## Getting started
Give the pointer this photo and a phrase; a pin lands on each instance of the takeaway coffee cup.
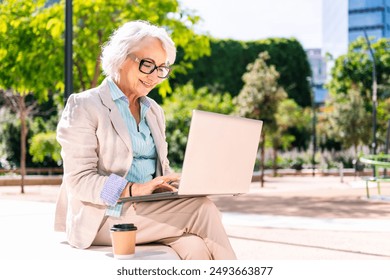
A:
(123, 240)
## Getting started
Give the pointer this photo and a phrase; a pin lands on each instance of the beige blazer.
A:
(95, 143)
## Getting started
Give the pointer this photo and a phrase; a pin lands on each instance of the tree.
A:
(95, 20)
(355, 68)
(383, 114)
(223, 69)
(353, 72)
(25, 43)
(349, 122)
(31, 44)
(30, 48)
(260, 97)
(178, 111)
(288, 114)
(44, 145)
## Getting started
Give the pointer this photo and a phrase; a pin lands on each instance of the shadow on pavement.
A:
(304, 206)
(309, 246)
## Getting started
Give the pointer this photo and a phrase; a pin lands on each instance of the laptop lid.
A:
(219, 158)
(220, 154)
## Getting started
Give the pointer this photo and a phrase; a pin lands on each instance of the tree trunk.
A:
(262, 152)
(23, 136)
(356, 151)
(96, 73)
(274, 161)
(97, 63)
(80, 74)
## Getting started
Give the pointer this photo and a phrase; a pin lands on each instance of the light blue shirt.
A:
(143, 166)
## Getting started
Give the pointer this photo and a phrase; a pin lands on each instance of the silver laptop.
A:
(219, 158)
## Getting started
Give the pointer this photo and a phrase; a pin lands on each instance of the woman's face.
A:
(131, 80)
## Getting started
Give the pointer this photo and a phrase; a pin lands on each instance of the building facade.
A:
(370, 15)
(334, 27)
(319, 75)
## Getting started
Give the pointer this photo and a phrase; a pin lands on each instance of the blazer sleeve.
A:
(76, 133)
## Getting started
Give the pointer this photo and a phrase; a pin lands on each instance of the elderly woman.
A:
(113, 145)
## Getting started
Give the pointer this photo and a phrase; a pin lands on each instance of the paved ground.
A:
(306, 218)
(291, 218)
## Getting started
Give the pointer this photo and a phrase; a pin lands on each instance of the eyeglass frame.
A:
(141, 63)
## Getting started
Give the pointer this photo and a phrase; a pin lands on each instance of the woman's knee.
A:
(208, 206)
(190, 247)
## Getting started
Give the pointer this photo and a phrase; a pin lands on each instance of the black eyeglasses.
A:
(147, 66)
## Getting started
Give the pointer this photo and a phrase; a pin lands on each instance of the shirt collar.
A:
(116, 93)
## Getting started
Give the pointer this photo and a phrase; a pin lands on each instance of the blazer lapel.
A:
(158, 138)
(115, 116)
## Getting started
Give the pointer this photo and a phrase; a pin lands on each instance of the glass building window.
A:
(367, 19)
(364, 4)
(353, 35)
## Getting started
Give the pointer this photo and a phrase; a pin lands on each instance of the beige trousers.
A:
(191, 226)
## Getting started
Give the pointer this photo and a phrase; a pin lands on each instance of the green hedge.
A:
(222, 71)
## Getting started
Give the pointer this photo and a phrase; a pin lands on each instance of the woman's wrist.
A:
(127, 191)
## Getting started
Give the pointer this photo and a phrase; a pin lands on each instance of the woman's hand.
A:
(158, 182)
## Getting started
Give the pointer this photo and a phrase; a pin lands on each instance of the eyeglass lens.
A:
(147, 67)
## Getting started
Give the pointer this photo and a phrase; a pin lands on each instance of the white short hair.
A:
(126, 38)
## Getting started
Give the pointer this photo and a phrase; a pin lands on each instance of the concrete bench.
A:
(27, 233)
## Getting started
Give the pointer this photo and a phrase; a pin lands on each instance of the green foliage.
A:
(44, 146)
(30, 47)
(10, 141)
(10, 131)
(354, 69)
(353, 72)
(260, 97)
(383, 118)
(44, 124)
(92, 30)
(223, 69)
(32, 50)
(178, 111)
(349, 122)
(289, 114)
(297, 163)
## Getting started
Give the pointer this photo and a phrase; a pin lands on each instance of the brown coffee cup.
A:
(123, 240)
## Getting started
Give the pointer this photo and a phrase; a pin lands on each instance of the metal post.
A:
(341, 172)
(313, 106)
(374, 95)
(68, 50)
(387, 145)
(387, 138)
(313, 160)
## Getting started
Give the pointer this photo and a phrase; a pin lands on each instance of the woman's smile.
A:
(146, 84)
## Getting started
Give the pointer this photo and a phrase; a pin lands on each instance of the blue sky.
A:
(258, 19)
